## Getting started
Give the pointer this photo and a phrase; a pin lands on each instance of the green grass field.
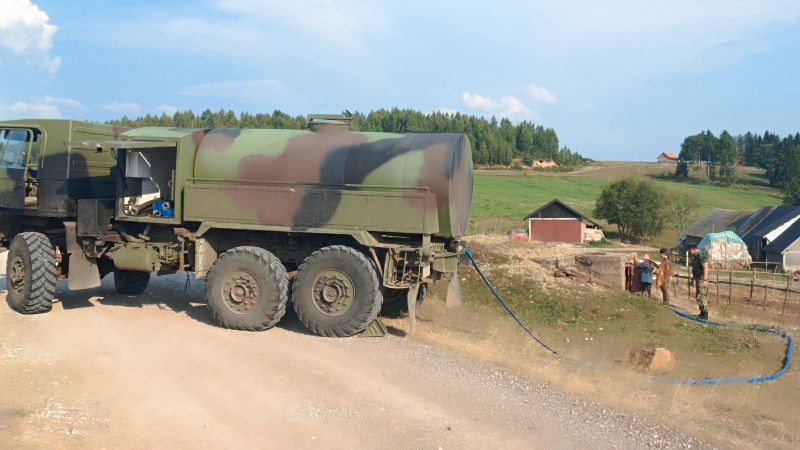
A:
(501, 202)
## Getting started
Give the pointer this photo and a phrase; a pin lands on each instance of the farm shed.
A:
(557, 222)
(775, 221)
(717, 220)
(785, 249)
(667, 157)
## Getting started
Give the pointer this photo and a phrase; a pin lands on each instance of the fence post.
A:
(730, 285)
(688, 279)
(786, 295)
(717, 282)
(764, 306)
(752, 287)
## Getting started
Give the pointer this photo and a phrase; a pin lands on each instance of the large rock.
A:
(658, 360)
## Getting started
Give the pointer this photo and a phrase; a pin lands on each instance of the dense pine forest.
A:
(493, 142)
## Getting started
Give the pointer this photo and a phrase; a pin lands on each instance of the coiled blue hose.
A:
(787, 362)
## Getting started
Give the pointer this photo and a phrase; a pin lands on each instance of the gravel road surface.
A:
(107, 371)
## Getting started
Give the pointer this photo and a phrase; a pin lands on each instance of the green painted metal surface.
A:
(329, 178)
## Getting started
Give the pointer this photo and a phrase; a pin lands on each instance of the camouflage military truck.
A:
(351, 218)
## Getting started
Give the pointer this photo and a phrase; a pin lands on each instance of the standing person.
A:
(700, 275)
(664, 275)
(647, 274)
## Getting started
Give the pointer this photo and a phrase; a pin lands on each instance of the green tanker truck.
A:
(335, 221)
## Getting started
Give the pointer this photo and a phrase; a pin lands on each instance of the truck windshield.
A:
(14, 145)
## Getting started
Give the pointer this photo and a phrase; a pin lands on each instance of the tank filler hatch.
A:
(324, 122)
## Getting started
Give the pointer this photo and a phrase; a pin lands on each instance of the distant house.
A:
(667, 157)
(557, 222)
(544, 163)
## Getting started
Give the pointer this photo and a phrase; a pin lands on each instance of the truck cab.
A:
(41, 175)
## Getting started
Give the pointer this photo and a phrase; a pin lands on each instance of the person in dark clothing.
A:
(647, 267)
(700, 275)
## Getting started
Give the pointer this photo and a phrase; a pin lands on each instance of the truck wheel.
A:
(129, 282)
(247, 289)
(31, 273)
(336, 292)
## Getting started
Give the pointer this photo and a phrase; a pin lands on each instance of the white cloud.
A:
(48, 107)
(248, 90)
(540, 94)
(477, 101)
(25, 29)
(166, 109)
(122, 107)
(509, 106)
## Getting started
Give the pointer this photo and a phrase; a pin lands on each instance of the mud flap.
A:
(454, 292)
(412, 307)
(375, 329)
(83, 271)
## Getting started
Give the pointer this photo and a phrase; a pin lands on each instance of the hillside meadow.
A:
(500, 202)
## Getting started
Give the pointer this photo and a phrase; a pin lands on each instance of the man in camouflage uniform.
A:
(700, 275)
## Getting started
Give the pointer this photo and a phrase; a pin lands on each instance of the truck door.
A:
(15, 150)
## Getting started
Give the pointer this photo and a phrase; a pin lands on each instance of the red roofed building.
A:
(667, 157)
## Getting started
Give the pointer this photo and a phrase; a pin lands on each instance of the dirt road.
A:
(153, 372)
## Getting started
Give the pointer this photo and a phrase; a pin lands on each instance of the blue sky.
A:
(617, 79)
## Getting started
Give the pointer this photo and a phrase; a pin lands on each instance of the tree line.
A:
(780, 158)
(719, 155)
(493, 141)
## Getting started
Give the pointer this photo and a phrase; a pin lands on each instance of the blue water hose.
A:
(787, 362)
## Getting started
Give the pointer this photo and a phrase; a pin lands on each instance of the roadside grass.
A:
(605, 324)
(600, 326)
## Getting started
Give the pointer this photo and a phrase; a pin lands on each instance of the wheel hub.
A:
(241, 292)
(334, 292)
(17, 274)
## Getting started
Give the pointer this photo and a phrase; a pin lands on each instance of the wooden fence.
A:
(758, 286)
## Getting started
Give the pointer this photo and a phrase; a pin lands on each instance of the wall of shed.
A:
(555, 230)
(791, 261)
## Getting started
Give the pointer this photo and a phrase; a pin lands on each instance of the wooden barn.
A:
(557, 222)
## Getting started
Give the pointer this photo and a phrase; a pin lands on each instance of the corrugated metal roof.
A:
(778, 216)
(785, 240)
(754, 220)
(718, 220)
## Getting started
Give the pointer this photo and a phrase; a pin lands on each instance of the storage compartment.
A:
(148, 178)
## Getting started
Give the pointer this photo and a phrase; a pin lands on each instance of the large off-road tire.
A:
(336, 292)
(129, 282)
(31, 273)
(247, 289)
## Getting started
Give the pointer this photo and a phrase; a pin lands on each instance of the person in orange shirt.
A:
(664, 274)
